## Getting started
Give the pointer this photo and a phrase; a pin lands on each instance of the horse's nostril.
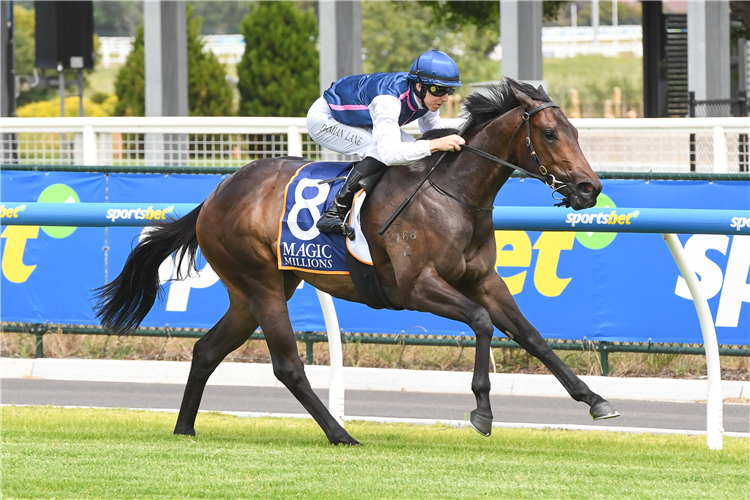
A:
(586, 188)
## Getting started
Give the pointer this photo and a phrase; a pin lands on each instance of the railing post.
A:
(39, 330)
(604, 356)
(336, 391)
(309, 351)
(714, 401)
(39, 346)
(691, 104)
(89, 145)
(720, 151)
(294, 141)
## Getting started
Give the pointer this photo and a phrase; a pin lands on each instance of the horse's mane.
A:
(497, 101)
(437, 133)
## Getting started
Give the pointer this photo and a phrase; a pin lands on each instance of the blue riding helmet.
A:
(435, 67)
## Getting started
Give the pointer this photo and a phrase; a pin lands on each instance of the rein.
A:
(544, 175)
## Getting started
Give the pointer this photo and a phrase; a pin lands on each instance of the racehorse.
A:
(448, 270)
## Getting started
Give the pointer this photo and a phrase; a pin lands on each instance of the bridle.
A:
(543, 175)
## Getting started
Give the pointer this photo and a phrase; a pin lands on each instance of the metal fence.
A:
(719, 107)
(613, 145)
(716, 108)
(310, 338)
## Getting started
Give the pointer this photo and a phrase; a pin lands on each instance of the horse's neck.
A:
(478, 179)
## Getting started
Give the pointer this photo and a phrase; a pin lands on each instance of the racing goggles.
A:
(440, 91)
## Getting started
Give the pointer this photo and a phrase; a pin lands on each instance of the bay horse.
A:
(448, 270)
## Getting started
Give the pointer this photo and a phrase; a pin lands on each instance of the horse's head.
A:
(546, 142)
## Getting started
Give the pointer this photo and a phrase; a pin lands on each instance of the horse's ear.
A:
(525, 100)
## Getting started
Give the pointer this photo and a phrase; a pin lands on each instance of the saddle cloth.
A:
(301, 246)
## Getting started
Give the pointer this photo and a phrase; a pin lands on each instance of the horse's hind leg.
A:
(289, 369)
(268, 304)
(494, 295)
(227, 335)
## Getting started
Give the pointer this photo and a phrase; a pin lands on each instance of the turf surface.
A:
(50, 452)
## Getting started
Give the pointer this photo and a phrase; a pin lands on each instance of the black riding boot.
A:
(332, 219)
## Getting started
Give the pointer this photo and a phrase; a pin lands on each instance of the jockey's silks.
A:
(350, 97)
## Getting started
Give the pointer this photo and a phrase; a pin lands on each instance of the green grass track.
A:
(50, 452)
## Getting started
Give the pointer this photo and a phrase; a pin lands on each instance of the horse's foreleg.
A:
(495, 296)
(430, 293)
(227, 335)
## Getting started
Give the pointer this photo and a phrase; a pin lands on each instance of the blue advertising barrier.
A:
(619, 220)
(585, 282)
(90, 214)
(623, 220)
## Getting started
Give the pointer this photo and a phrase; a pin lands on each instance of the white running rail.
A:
(720, 145)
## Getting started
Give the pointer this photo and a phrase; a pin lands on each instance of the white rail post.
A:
(89, 145)
(294, 141)
(720, 151)
(336, 391)
(714, 401)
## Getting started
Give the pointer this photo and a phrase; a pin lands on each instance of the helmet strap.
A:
(423, 93)
(420, 94)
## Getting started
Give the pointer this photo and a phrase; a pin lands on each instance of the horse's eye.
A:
(550, 135)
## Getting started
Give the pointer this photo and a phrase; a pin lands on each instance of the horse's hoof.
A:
(184, 432)
(603, 411)
(349, 441)
(482, 425)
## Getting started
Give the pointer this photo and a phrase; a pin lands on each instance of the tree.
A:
(208, 91)
(130, 84)
(394, 34)
(456, 14)
(485, 13)
(742, 11)
(209, 94)
(279, 71)
(120, 18)
(23, 30)
(221, 18)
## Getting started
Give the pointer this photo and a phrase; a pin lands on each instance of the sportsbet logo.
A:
(601, 218)
(139, 213)
(597, 241)
(8, 213)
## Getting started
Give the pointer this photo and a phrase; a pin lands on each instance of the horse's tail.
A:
(123, 303)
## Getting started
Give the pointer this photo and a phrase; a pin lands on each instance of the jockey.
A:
(362, 115)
